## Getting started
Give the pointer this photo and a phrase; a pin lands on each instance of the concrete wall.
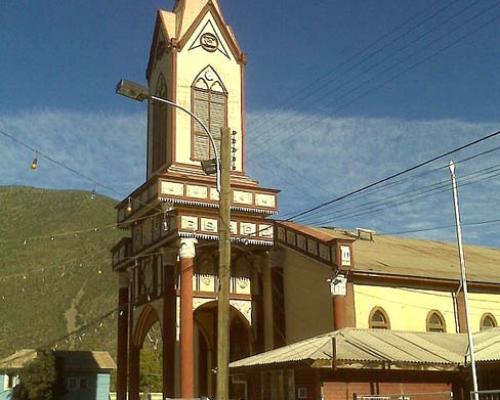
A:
(5, 394)
(406, 308)
(308, 301)
(481, 303)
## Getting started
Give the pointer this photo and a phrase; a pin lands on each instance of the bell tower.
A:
(196, 62)
(167, 263)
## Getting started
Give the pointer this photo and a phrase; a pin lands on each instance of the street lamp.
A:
(135, 91)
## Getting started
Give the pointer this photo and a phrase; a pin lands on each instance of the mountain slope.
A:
(55, 268)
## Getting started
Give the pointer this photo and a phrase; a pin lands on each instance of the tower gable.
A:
(211, 24)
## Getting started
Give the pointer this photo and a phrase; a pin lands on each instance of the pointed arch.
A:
(488, 321)
(160, 123)
(435, 322)
(379, 319)
(209, 103)
(146, 320)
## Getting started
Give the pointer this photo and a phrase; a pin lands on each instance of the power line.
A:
(438, 187)
(405, 179)
(395, 175)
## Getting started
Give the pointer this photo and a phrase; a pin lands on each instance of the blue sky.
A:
(339, 94)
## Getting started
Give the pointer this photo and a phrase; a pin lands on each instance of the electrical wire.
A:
(395, 175)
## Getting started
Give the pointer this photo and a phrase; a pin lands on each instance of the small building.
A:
(86, 375)
(371, 363)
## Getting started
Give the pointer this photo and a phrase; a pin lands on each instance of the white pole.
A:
(464, 278)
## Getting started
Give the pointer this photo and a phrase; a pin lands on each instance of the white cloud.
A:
(310, 161)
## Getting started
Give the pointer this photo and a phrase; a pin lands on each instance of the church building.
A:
(316, 313)
(167, 266)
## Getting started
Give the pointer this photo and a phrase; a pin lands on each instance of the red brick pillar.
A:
(134, 369)
(461, 316)
(187, 253)
(122, 339)
(169, 324)
(344, 308)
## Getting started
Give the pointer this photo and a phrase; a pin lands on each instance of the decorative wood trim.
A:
(209, 7)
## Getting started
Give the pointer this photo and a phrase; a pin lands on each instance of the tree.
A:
(39, 380)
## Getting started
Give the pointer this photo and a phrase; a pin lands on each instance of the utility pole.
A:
(224, 267)
(464, 278)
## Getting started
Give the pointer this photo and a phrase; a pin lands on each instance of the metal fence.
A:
(485, 395)
(409, 396)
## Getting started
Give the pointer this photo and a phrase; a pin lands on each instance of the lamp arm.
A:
(210, 137)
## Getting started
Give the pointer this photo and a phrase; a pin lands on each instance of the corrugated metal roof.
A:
(422, 258)
(487, 345)
(72, 360)
(376, 346)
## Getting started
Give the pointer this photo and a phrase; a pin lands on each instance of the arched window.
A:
(210, 105)
(379, 319)
(488, 321)
(435, 322)
(160, 120)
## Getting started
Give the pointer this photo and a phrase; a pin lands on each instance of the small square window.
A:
(72, 383)
(302, 393)
(345, 255)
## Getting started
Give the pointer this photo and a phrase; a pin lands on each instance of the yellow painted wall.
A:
(308, 301)
(481, 303)
(163, 66)
(406, 308)
(189, 64)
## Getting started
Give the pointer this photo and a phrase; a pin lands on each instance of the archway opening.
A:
(206, 344)
(151, 364)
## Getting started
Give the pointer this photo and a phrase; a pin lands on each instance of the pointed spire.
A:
(188, 10)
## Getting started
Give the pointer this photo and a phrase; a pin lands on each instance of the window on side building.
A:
(379, 319)
(488, 321)
(435, 322)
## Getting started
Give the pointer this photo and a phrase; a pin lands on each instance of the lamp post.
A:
(221, 168)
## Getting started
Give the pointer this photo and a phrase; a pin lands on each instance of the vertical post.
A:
(169, 325)
(463, 277)
(187, 254)
(122, 340)
(224, 268)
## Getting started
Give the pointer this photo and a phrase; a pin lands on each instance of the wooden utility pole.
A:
(224, 267)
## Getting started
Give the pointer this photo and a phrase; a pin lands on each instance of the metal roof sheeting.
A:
(72, 360)
(378, 347)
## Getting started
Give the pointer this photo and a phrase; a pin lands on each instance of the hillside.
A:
(53, 276)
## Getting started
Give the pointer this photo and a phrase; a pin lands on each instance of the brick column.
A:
(169, 322)
(344, 315)
(187, 253)
(461, 316)
(122, 339)
(134, 369)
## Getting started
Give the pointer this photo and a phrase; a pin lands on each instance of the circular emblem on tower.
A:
(209, 42)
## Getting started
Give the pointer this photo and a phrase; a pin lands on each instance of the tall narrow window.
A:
(435, 322)
(379, 319)
(488, 321)
(210, 105)
(160, 116)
